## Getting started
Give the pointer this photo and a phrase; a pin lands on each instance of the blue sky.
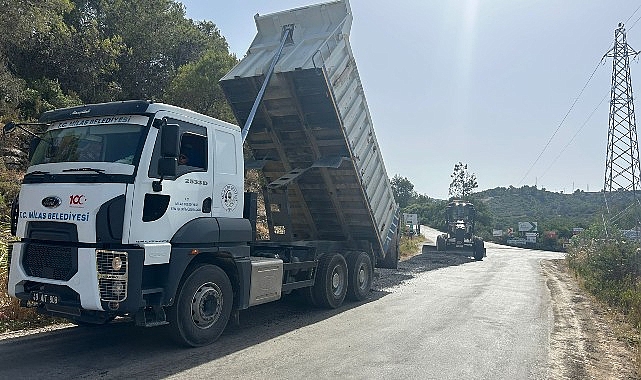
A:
(485, 82)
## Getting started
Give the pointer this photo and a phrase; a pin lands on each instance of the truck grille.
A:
(50, 261)
(112, 275)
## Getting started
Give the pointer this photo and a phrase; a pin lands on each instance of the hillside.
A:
(554, 211)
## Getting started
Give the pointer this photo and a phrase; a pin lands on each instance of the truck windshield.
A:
(96, 143)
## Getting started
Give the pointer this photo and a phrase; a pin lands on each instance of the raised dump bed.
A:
(313, 135)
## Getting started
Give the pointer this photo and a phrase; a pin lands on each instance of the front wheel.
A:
(330, 286)
(202, 307)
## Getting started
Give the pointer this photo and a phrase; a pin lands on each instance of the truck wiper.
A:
(99, 171)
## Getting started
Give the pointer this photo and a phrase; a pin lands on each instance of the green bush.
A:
(609, 267)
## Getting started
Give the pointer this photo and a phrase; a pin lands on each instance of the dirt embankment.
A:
(587, 341)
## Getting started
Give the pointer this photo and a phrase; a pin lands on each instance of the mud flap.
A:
(391, 259)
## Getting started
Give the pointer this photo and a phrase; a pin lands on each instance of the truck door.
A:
(157, 215)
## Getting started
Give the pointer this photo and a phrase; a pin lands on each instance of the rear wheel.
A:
(202, 307)
(359, 268)
(479, 249)
(440, 243)
(330, 287)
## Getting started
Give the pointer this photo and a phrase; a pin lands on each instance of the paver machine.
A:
(459, 226)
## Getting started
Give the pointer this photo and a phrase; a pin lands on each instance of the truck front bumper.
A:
(68, 281)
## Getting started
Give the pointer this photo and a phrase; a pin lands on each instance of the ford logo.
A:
(51, 202)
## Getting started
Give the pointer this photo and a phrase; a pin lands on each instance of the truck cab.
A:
(112, 189)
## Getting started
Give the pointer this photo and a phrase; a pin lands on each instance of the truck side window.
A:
(193, 150)
(193, 153)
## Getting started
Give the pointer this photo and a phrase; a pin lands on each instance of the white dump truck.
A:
(137, 209)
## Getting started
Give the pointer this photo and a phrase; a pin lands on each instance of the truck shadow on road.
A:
(122, 350)
(128, 351)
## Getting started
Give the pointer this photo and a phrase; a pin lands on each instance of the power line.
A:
(576, 134)
(561, 123)
(635, 11)
(570, 110)
(630, 28)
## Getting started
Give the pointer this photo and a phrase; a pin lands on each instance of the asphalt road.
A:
(439, 316)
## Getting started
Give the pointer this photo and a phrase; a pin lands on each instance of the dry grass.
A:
(411, 246)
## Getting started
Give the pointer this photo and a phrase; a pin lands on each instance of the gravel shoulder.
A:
(587, 341)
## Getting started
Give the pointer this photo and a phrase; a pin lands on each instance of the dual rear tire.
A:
(330, 287)
(337, 279)
(361, 274)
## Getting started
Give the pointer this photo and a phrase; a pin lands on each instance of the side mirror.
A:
(169, 151)
(169, 143)
(167, 166)
(9, 127)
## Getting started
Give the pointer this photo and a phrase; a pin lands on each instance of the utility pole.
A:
(622, 168)
(622, 161)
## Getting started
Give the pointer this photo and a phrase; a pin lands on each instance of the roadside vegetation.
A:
(12, 317)
(411, 245)
(609, 266)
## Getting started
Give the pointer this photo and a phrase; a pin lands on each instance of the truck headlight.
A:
(116, 263)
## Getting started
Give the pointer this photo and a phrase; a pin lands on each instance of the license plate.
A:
(44, 297)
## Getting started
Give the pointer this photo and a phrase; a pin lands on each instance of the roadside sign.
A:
(517, 241)
(497, 233)
(528, 226)
(530, 237)
(410, 219)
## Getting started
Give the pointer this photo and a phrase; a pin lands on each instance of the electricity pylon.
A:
(622, 168)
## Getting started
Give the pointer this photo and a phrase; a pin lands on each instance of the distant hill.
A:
(553, 211)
